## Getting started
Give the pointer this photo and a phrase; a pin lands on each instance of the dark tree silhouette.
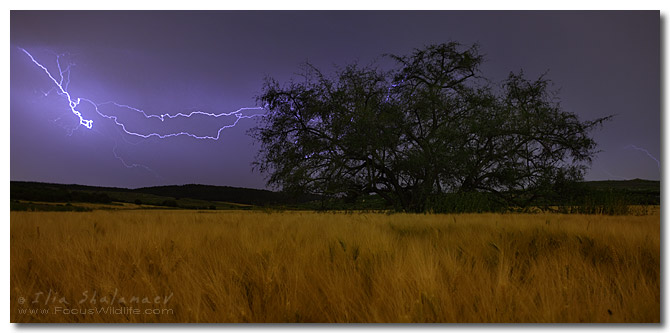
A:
(432, 126)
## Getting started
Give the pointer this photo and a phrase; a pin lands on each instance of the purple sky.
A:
(170, 62)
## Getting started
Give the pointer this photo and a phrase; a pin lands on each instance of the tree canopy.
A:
(433, 125)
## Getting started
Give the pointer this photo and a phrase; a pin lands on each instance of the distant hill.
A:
(185, 196)
(634, 185)
(635, 191)
(224, 193)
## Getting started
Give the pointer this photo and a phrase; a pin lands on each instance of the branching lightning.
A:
(237, 114)
(612, 175)
(73, 103)
(646, 152)
(62, 81)
(132, 165)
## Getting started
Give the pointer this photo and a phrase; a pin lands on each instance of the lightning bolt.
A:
(73, 103)
(237, 114)
(61, 87)
(611, 175)
(646, 152)
(132, 165)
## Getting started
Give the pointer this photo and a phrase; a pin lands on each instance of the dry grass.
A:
(335, 267)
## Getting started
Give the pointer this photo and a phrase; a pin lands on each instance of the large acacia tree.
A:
(433, 125)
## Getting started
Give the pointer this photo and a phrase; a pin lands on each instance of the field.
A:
(252, 266)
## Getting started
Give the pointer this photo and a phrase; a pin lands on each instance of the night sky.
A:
(169, 62)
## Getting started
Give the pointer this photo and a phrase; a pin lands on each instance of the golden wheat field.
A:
(248, 266)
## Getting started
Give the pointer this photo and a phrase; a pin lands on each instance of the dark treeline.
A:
(227, 194)
(56, 193)
(167, 196)
(599, 197)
